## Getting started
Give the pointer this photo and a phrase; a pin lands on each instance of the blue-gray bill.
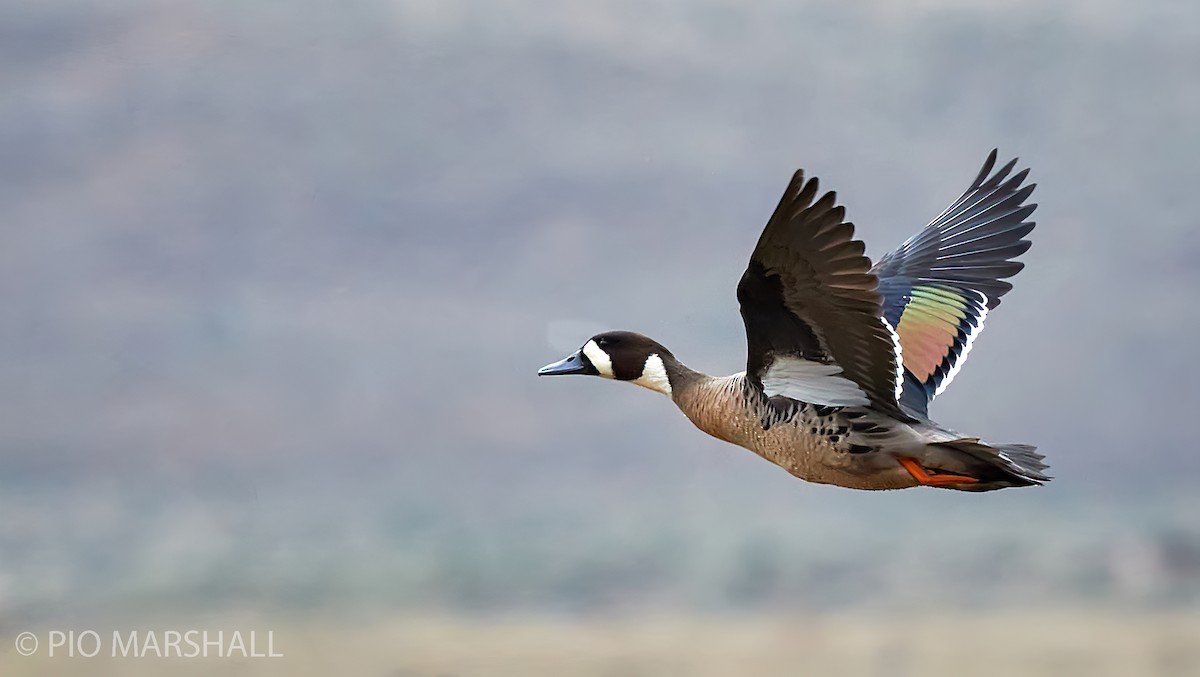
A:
(572, 364)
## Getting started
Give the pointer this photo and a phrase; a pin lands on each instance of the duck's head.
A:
(620, 355)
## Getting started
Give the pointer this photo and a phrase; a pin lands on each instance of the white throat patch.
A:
(654, 376)
(599, 359)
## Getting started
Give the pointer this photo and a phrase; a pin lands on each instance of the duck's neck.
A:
(669, 376)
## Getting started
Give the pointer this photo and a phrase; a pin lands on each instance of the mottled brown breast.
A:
(807, 444)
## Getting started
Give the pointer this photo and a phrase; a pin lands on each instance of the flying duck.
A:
(844, 357)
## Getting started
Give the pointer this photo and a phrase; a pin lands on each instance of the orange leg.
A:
(939, 480)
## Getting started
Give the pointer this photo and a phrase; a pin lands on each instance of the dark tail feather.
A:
(997, 467)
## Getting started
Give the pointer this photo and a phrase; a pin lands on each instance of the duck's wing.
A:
(815, 330)
(939, 285)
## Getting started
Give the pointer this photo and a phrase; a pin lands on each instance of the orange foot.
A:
(939, 480)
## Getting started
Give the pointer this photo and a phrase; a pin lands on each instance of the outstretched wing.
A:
(939, 285)
(815, 330)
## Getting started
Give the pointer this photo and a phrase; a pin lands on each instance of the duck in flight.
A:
(844, 357)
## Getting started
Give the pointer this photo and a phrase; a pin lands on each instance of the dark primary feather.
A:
(809, 292)
(955, 269)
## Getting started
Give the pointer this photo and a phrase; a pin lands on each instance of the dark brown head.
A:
(620, 355)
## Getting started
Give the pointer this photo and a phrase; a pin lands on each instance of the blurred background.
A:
(276, 277)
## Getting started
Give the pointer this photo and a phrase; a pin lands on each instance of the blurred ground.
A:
(1038, 645)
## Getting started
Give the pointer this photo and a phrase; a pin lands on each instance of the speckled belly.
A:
(822, 456)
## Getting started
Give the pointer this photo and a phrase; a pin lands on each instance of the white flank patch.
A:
(812, 382)
(899, 350)
(654, 376)
(599, 359)
(962, 357)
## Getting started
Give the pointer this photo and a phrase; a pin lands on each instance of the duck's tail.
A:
(992, 467)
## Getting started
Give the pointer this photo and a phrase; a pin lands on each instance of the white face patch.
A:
(654, 376)
(599, 359)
